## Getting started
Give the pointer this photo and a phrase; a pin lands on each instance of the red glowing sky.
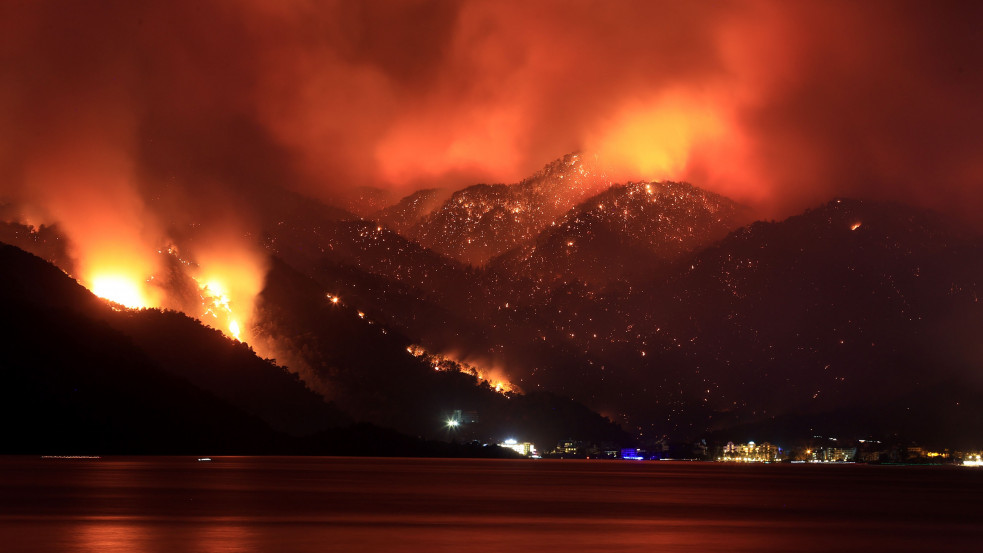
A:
(155, 104)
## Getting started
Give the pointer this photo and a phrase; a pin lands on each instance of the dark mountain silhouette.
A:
(395, 281)
(428, 297)
(626, 232)
(44, 241)
(81, 376)
(856, 316)
(179, 346)
(230, 370)
(208, 378)
(75, 384)
(848, 309)
(651, 319)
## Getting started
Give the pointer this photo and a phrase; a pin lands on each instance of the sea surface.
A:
(322, 504)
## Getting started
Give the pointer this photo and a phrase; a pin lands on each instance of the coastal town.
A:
(816, 449)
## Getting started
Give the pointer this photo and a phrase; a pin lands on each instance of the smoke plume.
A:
(127, 121)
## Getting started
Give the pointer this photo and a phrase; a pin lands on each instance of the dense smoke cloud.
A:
(178, 111)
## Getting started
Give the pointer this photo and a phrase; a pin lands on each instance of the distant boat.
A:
(204, 458)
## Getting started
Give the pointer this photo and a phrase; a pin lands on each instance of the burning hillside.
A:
(482, 221)
(625, 232)
(216, 287)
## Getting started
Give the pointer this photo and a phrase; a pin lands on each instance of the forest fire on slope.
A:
(485, 376)
(214, 293)
(119, 289)
(221, 297)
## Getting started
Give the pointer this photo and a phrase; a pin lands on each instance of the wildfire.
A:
(654, 140)
(119, 289)
(444, 363)
(230, 274)
(132, 292)
(227, 282)
(217, 305)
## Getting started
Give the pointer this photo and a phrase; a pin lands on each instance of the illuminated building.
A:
(834, 455)
(751, 453)
(524, 448)
(914, 452)
(631, 454)
(569, 447)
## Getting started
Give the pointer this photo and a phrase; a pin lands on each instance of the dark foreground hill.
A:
(369, 370)
(72, 383)
(84, 376)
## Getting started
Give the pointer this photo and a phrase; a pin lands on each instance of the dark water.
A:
(403, 505)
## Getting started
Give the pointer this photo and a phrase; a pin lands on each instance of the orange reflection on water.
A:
(345, 505)
(170, 535)
(108, 536)
(225, 537)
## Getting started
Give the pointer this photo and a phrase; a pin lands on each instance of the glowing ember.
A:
(119, 289)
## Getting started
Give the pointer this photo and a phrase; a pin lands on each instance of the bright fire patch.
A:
(654, 140)
(215, 299)
(119, 289)
(444, 363)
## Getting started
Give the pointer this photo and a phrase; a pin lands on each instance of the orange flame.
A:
(119, 289)
(229, 281)
(495, 379)
(217, 305)
(226, 293)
